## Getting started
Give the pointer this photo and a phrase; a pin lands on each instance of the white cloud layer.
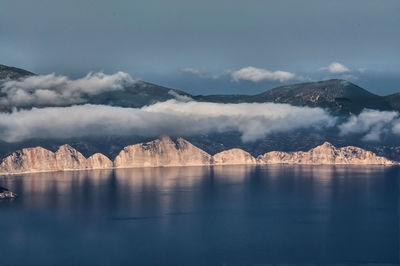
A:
(371, 124)
(59, 90)
(258, 74)
(336, 68)
(174, 118)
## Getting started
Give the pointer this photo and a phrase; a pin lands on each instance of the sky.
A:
(208, 46)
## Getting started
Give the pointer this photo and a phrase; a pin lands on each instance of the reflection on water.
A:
(201, 215)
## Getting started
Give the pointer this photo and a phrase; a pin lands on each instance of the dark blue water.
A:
(239, 215)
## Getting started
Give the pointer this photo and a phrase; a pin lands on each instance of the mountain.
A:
(337, 95)
(233, 156)
(394, 101)
(325, 154)
(7, 72)
(166, 152)
(39, 159)
(162, 152)
(139, 94)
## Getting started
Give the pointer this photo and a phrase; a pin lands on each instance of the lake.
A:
(221, 215)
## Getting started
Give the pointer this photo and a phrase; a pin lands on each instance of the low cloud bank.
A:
(59, 90)
(372, 124)
(185, 117)
(253, 120)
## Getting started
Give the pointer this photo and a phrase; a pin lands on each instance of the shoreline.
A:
(204, 165)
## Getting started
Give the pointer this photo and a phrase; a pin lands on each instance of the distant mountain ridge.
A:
(135, 95)
(394, 101)
(139, 94)
(166, 152)
(7, 72)
(338, 96)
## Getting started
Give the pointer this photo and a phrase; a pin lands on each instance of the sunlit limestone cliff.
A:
(98, 161)
(233, 156)
(166, 152)
(39, 159)
(324, 154)
(29, 160)
(162, 152)
(69, 158)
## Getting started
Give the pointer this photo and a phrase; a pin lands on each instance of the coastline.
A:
(164, 152)
(196, 165)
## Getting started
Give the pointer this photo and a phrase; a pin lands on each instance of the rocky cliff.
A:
(324, 154)
(233, 156)
(29, 160)
(166, 152)
(99, 161)
(39, 159)
(67, 158)
(162, 152)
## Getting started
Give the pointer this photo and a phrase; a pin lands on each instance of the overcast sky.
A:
(208, 46)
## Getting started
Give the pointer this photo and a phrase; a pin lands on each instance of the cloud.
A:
(202, 74)
(185, 117)
(396, 126)
(336, 68)
(258, 74)
(192, 71)
(371, 124)
(59, 90)
(174, 118)
(179, 97)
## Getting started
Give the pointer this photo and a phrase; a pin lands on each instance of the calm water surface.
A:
(239, 215)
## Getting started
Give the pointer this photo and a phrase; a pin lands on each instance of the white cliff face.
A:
(29, 160)
(165, 152)
(233, 156)
(68, 158)
(162, 152)
(98, 161)
(324, 154)
(39, 159)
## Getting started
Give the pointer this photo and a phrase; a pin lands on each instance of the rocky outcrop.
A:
(98, 161)
(233, 156)
(324, 154)
(6, 194)
(162, 152)
(67, 158)
(39, 159)
(166, 152)
(29, 160)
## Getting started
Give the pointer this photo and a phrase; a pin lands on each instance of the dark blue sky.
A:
(210, 40)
